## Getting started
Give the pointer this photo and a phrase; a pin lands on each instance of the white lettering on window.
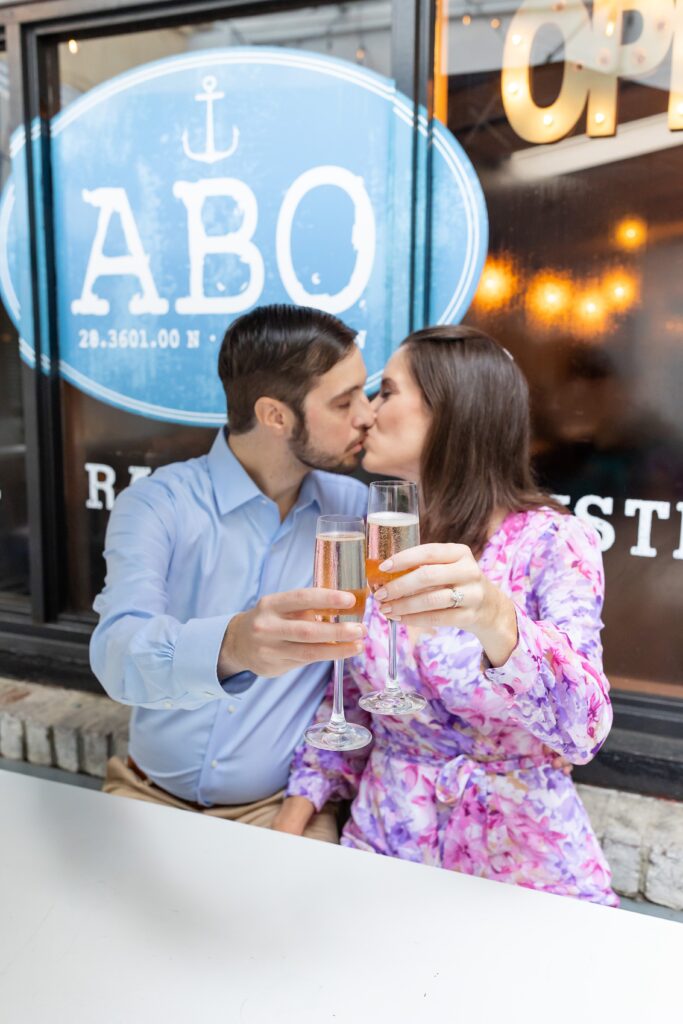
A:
(101, 480)
(645, 510)
(363, 238)
(232, 243)
(135, 263)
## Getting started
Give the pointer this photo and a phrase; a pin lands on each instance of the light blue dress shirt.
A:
(186, 549)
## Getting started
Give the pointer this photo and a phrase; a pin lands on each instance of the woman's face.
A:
(394, 443)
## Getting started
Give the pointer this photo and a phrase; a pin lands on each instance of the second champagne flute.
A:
(340, 565)
(393, 525)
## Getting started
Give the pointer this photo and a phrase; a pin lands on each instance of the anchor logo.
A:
(210, 155)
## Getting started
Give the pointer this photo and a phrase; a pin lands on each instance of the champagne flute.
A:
(393, 525)
(340, 565)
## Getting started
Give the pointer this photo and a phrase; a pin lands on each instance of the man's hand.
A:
(276, 636)
(294, 815)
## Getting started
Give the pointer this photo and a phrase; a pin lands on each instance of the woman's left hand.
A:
(444, 586)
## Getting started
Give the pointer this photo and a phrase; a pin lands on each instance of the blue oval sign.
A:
(192, 189)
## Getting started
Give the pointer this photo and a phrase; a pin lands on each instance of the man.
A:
(205, 627)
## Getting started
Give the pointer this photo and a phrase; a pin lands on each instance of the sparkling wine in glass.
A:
(393, 525)
(340, 565)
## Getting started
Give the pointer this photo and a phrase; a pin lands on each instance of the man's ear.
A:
(274, 415)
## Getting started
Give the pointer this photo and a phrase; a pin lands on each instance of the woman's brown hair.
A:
(476, 457)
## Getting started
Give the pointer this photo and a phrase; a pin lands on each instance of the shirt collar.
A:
(233, 486)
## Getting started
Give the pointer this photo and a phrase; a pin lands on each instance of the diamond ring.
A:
(457, 598)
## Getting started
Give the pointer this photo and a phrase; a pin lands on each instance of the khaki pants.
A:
(123, 781)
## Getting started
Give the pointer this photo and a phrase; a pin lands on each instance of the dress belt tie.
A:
(456, 774)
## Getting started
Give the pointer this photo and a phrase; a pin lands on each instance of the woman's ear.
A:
(274, 415)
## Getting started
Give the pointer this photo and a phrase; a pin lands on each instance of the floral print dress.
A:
(468, 784)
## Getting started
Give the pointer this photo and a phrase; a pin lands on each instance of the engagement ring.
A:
(457, 598)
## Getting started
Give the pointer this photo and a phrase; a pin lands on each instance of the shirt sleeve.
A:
(553, 682)
(141, 655)
(322, 775)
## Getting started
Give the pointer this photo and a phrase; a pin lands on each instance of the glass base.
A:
(405, 702)
(352, 738)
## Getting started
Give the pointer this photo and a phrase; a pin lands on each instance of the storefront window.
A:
(13, 510)
(105, 445)
(568, 116)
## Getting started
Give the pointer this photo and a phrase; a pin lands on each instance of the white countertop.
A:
(113, 910)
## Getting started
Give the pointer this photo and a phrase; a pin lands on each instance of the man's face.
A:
(337, 416)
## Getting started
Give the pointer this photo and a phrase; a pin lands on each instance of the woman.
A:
(501, 632)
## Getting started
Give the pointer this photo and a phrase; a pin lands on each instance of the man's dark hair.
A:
(278, 351)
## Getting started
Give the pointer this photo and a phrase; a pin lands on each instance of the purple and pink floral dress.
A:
(468, 784)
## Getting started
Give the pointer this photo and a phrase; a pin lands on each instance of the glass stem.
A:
(337, 722)
(392, 686)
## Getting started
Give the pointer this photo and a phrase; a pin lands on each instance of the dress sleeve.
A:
(322, 775)
(553, 683)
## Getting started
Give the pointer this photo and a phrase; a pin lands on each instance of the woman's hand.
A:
(294, 815)
(444, 586)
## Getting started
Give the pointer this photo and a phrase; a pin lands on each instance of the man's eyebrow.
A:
(349, 391)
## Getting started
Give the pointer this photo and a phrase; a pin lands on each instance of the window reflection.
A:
(581, 284)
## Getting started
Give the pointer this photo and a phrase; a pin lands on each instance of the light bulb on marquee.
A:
(467, 19)
(599, 118)
(548, 120)
(73, 46)
(516, 39)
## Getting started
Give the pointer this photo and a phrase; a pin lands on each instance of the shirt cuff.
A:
(523, 667)
(195, 659)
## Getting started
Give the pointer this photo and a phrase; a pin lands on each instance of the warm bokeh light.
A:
(498, 283)
(591, 313)
(548, 296)
(467, 19)
(73, 46)
(631, 233)
(621, 289)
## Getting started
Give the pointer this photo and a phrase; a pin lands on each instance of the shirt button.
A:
(232, 709)
(167, 704)
(214, 764)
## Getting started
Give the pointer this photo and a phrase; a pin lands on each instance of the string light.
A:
(599, 118)
(592, 313)
(495, 23)
(516, 39)
(549, 296)
(547, 120)
(498, 283)
(467, 19)
(360, 53)
(631, 233)
(609, 28)
(621, 289)
(73, 46)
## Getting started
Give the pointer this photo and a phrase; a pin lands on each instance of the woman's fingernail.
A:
(359, 631)
(386, 566)
(358, 648)
(386, 609)
(381, 594)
